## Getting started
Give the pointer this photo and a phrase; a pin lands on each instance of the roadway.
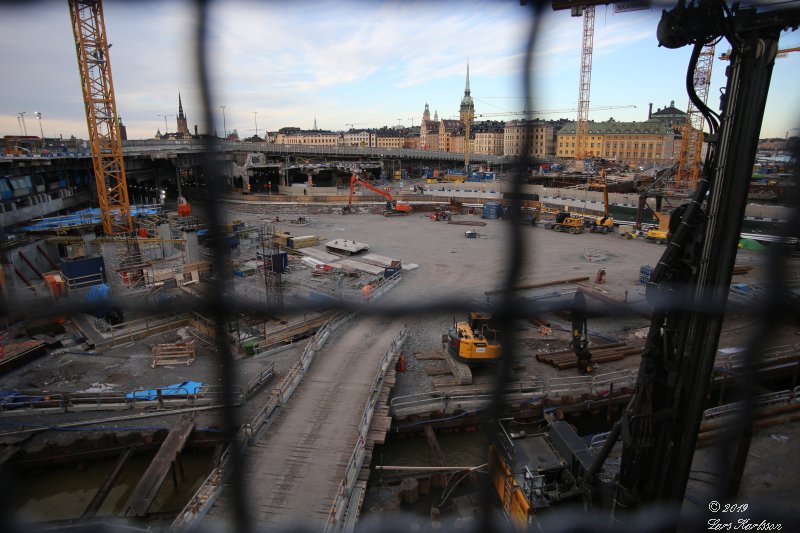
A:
(292, 472)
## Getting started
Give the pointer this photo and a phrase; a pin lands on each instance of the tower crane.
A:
(692, 135)
(582, 126)
(91, 45)
(692, 138)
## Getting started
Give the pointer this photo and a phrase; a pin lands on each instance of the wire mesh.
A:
(221, 302)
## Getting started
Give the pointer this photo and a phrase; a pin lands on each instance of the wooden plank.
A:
(102, 493)
(358, 265)
(147, 489)
(434, 444)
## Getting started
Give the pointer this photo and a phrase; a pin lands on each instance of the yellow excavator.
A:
(475, 341)
(604, 224)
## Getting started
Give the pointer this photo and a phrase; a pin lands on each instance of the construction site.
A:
(339, 353)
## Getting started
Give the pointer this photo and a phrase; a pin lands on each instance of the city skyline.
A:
(360, 63)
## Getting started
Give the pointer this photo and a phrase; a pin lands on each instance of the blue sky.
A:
(369, 63)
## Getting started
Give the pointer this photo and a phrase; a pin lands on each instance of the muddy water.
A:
(62, 492)
(459, 449)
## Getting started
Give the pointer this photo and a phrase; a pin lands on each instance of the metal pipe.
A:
(27, 261)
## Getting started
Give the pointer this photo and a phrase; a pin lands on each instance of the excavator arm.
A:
(355, 179)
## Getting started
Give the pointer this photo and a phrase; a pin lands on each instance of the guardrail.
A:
(535, 390)
(340, 504)
(766, 400)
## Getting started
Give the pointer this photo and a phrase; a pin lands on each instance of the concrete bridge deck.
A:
(292, 473)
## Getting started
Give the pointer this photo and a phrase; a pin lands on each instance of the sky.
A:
(368, 63)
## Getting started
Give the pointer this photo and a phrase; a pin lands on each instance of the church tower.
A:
(183, 129)
(467, 110)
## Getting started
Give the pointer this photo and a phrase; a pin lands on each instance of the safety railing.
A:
(536, 390)
(341, 502)
(759, 402)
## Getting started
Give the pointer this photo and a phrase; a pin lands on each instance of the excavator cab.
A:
(476, 341)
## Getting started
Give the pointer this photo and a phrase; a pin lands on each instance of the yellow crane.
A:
(91, 46)
(692, 131)
(582, 126)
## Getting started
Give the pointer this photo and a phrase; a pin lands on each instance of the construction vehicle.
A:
(566, 222)
(439, 213)
(604, 224)
(475, 341)
(393, 207)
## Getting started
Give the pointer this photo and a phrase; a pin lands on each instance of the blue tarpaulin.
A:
(10, 397)
(187, 387)
(85, 216)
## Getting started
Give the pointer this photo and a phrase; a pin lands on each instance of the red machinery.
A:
(393, 207)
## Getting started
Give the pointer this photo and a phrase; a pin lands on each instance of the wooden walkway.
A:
(293, 472)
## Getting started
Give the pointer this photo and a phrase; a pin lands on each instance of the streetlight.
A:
(39, 116)
(255, 118)
(224, 126)
(22, 122)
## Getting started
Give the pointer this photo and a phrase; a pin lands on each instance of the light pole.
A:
(24, 129)
(255, 118)
(41, 130)
(224, 126)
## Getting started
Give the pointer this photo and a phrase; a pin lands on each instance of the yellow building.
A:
(631, 143)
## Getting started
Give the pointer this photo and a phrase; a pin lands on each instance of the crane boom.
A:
(692, 137)
(91, 45)
(582, 126)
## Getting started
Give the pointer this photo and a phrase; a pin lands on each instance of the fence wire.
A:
(220, 303)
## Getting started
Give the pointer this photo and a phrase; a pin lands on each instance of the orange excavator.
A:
(393, 207)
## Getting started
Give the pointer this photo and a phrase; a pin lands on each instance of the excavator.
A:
(475, 341)
(393, 207)
(604, 224)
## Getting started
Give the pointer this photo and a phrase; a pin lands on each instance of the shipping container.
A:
(492, 210)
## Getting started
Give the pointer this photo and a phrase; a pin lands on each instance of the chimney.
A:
(650, 112)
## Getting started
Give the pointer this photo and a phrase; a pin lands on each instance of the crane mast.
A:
(692, 137)
(582, 126)
(91, 45)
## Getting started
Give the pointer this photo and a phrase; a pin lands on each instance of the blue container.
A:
(644, 274)
(492, 210)
(388, 272)
(85, 266)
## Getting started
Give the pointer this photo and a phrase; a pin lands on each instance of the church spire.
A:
(315, 122)
(466, 89)
(180, 106)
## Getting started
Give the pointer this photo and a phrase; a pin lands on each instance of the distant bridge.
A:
(198, 146)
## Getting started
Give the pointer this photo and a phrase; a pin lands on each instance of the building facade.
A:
(307, 137)
(540, 136)
(489, 137)
(627, 142)
(360, 138)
